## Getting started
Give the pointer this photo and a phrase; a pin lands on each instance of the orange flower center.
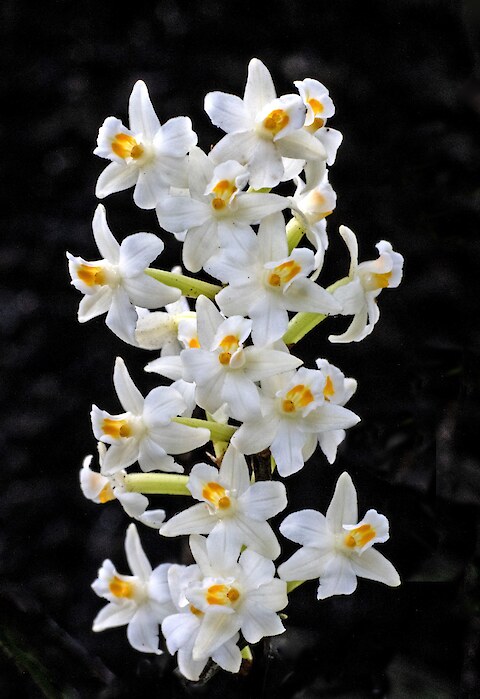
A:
(358, 537)
(126, 146)
(283, 273)
(229, 346)
(276, 121)
(297, 398)
(121, 588)
(223, 192)
(329, 390)
(216, 495)
(222, 594)
(116, 428)
(91, 275)
(106, 494)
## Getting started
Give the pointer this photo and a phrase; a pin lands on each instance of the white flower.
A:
(338, 390)
(181, 629)
(319, 107)
(233, 594)
(145, 431)
(150, 156)
(265, 282)
(223, 369)
(337, 548)
(367, 279)
(231, 509)
(141, 600)
(117, 284)
(261, 128)
(215, 208)
(161, 329)
(101, 489)
(294, 413)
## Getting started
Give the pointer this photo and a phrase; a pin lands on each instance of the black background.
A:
(405, 79)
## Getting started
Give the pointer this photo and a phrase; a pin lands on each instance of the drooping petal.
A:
(95, 304)
(194, 520)
(241, 396)
(120, 456)
(308, 528)
(148, 189)
(200, 244)
(190, 668)
(152, 457)
(228, 656)
(179, 439)
(115, 178)
(106, 243)
(256, 435)
(265, 165)
(216, 628)
(113, 615)
(136, 558)
(146, 292)
(122, 316)
(178, 630)
(287, 448)
(270, 320)
(301, 144)
(257, 535)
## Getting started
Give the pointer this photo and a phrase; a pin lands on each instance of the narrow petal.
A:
(136, 558)
(113, 615)
(308, 528)
(234, 473)
(153, 457)
(265, 362)
(343, 507)
(142, 631)
(305, 564)
(194, 520)
(258, 536)
(264, 500)
(272, 238)
(253, 207)
(374, 566)
(95, 305)
(143, 119)
(106, 243)
(228, 656)
(226, 111)
(208, 320)
(128, 394)
(115, 178)
(146, 292)
(265, 165)
(169, 366)
(179, 439)
(287, 448)
(259, 89)
(301, 144)
(122, 316)
(215, 630)
(200, 244)
(241, 396)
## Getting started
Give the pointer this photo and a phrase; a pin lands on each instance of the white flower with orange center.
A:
(102, 489)
(117, 284)
(181, 629)
(145, 431)
(234, 593)
(294, 413)
(232, 510)
(337, 548)
(149, 156)
(262, 128)
(141, 600)
(216, 210)
(367, 279)
(224, 370)
(265, 282)
(319, 107)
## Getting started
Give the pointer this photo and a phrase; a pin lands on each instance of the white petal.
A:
(228, 656)
(146, 292)
(306, 295)
(177, 214)
(194, 520)
(114, 615)
(258, 622)
(329, 442)
(115, 178)
(287, 448)
(270, 320)
(337, 578)
(128, 394)
(120, 456)
(134, 504)
(143, 119)
(153, 457)
(169, 366)
(178, 630)
(308, 528)
(343, 507)
(148, 189)
(374, 566)
(255, 436)
(161, 404)
(241, 396)
(272, 238)
(234, 473)
(264, 500)
(257, 535)
(272, 595)
(137, 251)
(200, 244)
(190, 668)
(226, 111)
(265, 362)
(215, 630)
(176, 137)
(152, 518)
(142, 631)
(179, 439)
(122, 316)
(265, 165)
(305, 564)
(259, 89)
(106, 243)
(208, 320)
(95, 304)
(301, 144)
(235, 146)
(136, 558)
(257, 569)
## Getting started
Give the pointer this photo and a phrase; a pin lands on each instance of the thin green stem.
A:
(189, 286)
(295, 232)
(293, 584)
(157, 483)
(218, 431)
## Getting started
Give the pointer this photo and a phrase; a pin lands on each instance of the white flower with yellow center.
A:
(141, 600)
(294, 413)
(338, 390)
(149, 156)
(145, 431)
(232, 594)
(262, 128)
(117, 284)
(337, 548)
(265, 282)
(231, 510)
(216, 210)
(359, 296)
(181, 629)
(102, 489)
(223, 369)
(161, 329)
(319, 107)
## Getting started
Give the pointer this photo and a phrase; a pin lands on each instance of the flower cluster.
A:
(236, 387)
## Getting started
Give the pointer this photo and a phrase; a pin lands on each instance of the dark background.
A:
(405, 79)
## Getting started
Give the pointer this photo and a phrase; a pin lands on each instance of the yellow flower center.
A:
(195, 611)
(121, 588)
(194, 343)
(297, 398)
(126, 146)
(222, 594)
(316, 105)
(216, 495)
(382, 280)
(276, 121)
(91, 275)
(329, 390)
(229, 346)
(358, 537)
(223, 192)
(106, 494)
(116, 428)
(283, 273)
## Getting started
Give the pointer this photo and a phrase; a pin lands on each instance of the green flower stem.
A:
(246, 653)
(302, 323)
(157, 483)
(189, 286)
(293, 584)
(218, 431)
(295, 232)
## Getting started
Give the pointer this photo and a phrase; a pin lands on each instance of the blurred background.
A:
(405, 79)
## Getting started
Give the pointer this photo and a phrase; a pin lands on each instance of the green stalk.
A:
(189, 286)
(302, 323)
(295, 232)
(293, 584)
(218, 431)
(157, 483)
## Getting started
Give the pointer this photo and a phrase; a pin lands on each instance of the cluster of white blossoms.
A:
(230, 381)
